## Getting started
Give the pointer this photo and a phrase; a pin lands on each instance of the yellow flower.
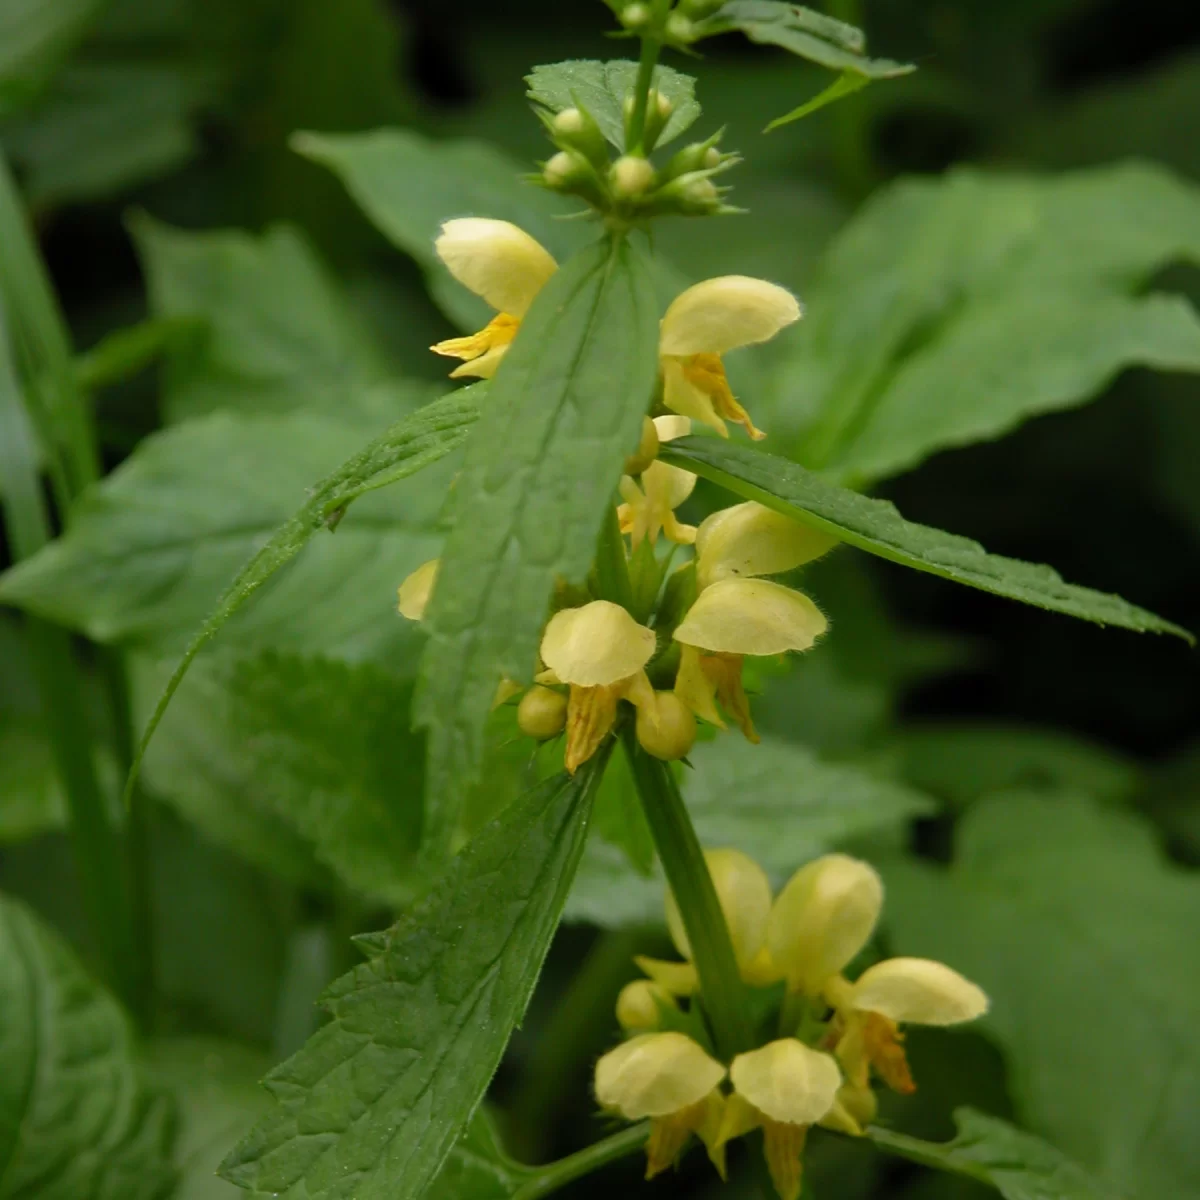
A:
(706, 321)
(736, 614)
(649, 508)
(506, 267)
(744, 894)
(600, 651)
(819, 923)
(670, 1079)
(782, 1088)
(417, 588)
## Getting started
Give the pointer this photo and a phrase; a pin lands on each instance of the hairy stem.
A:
(687, 874)
(635, 142)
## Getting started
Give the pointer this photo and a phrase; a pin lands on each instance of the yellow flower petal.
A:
(640, 1005)
(918, 990)
(496, 260)
(649, 509)
(655, 1074)
(696, 688)
(681, 395)
(744, 893)
(823, 918)
(751, 616)
(417, 588)
(724, 313)
(787, 1081)
(679, 979)
(750, 539)
(672, 426)
(596, 645)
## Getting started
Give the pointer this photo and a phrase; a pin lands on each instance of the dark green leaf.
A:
(372, 1106)
(563, 411)
(951, 310)
(803, 32)
(215, 1086)
(75, 1117)
(776, 801)
(35, 37)
(409, 185)
(1067, 914)
(602, 87)
(876, 526)
(477, 1168)
(31, 800)
(1018, 1165)
(276, 333)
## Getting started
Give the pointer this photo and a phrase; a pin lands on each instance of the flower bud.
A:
(576, 129)
(679, 29)
(666, 727)
(658, 112)
(635, 16)
(566, 171)
(640, 1004)
(647, 450)
(631, 176)
(542, 713)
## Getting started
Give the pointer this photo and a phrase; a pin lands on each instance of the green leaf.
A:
(949, 311)
(802, 32)
(372, 1106)
(35, 37)
(477, 1168)
(1066, 913)
(31, 799)
(277, 333)
(75, 1117)
(602, 87)
(408, 185)
(563, 411)
(876, 526)
(1018, 1165)
(280, 753)
(964, 760)
(106, 126)
(215, 1086)
(846, 84)
(776, 801)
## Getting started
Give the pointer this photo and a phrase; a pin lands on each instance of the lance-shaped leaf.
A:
(1018, 1165)
(876, 526)
(370, 1108)
(563, 411)
(75, 1117)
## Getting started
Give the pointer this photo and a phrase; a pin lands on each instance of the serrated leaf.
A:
(1066, 913)
(563, 411)
(35, 37)
(408, 185)
(477, 1168)
(802, 32)
(776, 801)
(75, 1117)
(288, 756)
(602, 87)
(371, 1107)
(876, 526)
(276, 335)
(950, 311)
(1018, 1165)
(215, 1086)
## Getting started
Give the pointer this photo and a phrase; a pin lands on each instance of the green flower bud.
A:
(666, 727)
(631, 176)
(680, 30)
(635, 16)
(576, 129)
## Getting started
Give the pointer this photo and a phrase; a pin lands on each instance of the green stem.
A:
(635, 142)
(928, 1154)
(94, 826)
(612, 563)
(687, 874)
(851, 150)
(580, 1016)
(584, 1162)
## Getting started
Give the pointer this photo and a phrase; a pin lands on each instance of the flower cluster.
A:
(683, 658)
(823, 1044)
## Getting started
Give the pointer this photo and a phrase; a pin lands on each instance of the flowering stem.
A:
(635, 142)
(687, 874)
(612, 565)
(558, 1174)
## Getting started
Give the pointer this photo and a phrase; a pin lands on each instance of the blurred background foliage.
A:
(1035, 794)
